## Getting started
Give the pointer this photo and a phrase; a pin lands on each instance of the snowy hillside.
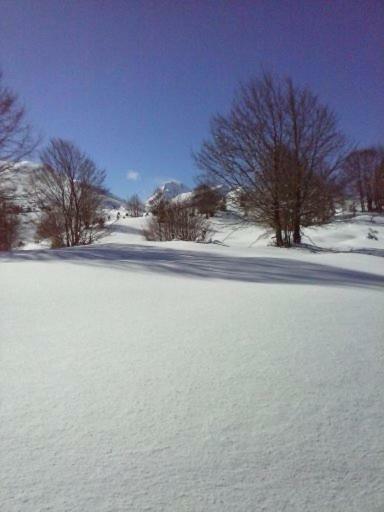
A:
(231, 376)
(19, 179)
(363, 233)
(168, 190)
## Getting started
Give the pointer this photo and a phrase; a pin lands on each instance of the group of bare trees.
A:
(183, 218)
(281, 150)
(68, 186)
(135, 206)
(172, 220)
(364, 177)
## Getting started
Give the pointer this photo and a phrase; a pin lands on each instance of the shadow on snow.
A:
(203, 265)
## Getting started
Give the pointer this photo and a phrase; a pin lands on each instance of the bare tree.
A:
(364, 176)
(281, 150)
(16, 142)
(135, 206)
(175, 221)
(16, 139)
(206, 199)
(69, 190)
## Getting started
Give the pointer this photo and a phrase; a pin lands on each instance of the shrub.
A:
(207, 200)
(175, 222)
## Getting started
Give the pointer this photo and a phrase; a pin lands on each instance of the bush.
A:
(175, 222)
(51, 227)
(207, 200)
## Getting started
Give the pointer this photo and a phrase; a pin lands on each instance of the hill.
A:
(168, 190)
(18, 178)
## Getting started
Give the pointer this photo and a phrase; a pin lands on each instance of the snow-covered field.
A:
(230, 376)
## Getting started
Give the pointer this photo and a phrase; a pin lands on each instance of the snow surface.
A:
(183, 198)
(174, 376)
(168, 190)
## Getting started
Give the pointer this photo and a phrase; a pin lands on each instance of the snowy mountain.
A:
(18, 179)
(168, 190)
(184, 198)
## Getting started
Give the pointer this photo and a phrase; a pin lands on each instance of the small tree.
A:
(135, 206)
(69, 190)
(206, 199)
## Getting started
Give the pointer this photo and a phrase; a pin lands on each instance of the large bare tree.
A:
(69, 190)
(16, 138)
(16, 143)
(280, 149)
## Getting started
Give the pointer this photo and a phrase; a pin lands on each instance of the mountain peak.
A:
(169, 190)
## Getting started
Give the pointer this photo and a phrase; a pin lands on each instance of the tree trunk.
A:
(277, 222)
(297, 218)
(297, 233)
(369, 204)
(279, 237)
(361, 195)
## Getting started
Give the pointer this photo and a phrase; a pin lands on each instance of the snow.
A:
(168, 190)
(232, 376)
(185, 197)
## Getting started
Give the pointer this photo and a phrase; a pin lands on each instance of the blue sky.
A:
(134, 83)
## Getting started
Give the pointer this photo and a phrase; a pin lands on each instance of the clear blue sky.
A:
(134, 83)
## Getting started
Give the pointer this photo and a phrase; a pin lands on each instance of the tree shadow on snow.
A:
(205, 265)
(316, 249)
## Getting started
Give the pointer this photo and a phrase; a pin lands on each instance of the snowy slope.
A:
(168, 190)
(183, 198)
(192, 377)
(19, 178)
